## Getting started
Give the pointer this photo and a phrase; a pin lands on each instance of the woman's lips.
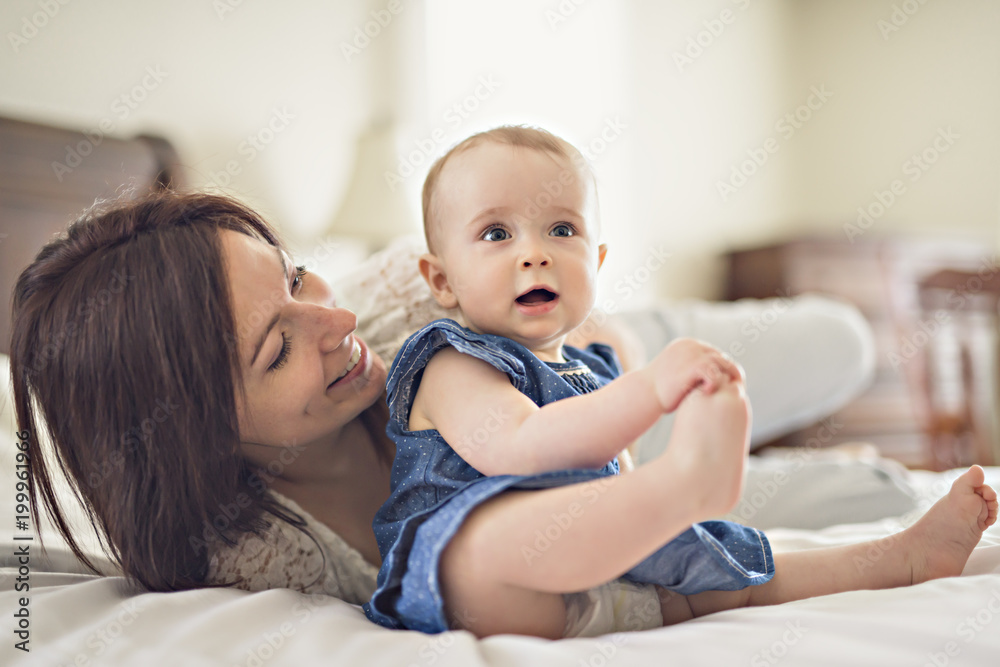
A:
(360, 367)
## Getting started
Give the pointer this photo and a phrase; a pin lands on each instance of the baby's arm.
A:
(498, 430)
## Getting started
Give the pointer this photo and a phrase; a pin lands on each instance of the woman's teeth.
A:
(355, 358)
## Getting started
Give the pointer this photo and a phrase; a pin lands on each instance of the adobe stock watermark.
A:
(562, 522)
(755, 499)
(914, 167)
(698, 43)
(781, 647)
(634, 281)
(760, 323)
(434, 647)
(454, 116)
(272, 640)
(590, 152)
(967, 629)
(909, 347)
(899, 17)
(224, 7)
(31, 25)
(926, 497)
(610, 132)
(630, 284)
(471, 443)
(364, 34)
(786, 127)
(880, 547)
(324, 249)
(268, 645)
(102, 639)
(92, 306)
(608, 645)
(99, 473)
(549, 190)
(959, 296)
(259, 481)
(253, 145)
(928, 328)
(121, 108)
(562, 12)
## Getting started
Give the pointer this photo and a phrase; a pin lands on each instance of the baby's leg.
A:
(710, 440)
(506, 569)
(476, 599)
(937, 545)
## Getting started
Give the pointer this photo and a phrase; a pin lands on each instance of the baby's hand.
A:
(687, 364)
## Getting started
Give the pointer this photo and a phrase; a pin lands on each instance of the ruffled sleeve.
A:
(406, 371)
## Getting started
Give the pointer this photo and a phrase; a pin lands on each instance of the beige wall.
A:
(889, 99)
(570, 65)
(899, 93)
(225, 75)
(709, 81)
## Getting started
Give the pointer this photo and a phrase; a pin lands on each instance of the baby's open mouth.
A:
(536, 296)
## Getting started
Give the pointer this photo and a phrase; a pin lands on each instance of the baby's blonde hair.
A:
(521, 136)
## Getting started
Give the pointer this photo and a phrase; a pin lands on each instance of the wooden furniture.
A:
(958, 376)
(907, 409)
(49, 176)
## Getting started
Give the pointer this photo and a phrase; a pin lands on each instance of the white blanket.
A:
(81, 620)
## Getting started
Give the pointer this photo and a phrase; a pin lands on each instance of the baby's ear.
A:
(433, 272)
(602, 250)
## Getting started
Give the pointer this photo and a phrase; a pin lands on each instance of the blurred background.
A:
(667, 98)
(765, 147)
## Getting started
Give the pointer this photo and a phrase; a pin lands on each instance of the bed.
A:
(72, 617)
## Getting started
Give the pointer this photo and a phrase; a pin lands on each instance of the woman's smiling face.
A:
(305, 374)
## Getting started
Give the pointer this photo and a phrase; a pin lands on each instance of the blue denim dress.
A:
(434, 489)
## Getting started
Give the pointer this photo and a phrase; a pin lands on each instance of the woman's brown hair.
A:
(123, 337)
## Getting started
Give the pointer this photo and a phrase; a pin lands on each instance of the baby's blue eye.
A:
(496, 234)
(563, 229)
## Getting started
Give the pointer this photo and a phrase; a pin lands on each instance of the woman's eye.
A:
(300, 274)
(496, 234)
(563, 229)
(286, 348)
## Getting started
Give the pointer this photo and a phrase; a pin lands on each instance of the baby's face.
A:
(517, 243)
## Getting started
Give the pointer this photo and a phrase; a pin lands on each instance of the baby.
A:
(488, 410)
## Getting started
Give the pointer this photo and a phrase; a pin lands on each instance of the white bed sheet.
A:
(81, 620)
(87, 620)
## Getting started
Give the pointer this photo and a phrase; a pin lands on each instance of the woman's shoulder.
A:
(389, 296)
(314, 560)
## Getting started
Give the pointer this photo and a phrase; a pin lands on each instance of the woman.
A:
(238, 419)
(205, 408)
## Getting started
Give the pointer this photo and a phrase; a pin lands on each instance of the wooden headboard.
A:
(49, 175)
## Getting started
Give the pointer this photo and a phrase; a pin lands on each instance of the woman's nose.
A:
(332, 326)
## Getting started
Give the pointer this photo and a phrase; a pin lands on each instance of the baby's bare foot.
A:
(709, 442)
(944, 537)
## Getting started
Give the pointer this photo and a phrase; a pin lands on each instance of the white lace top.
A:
(391, 301)
(285, 557)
